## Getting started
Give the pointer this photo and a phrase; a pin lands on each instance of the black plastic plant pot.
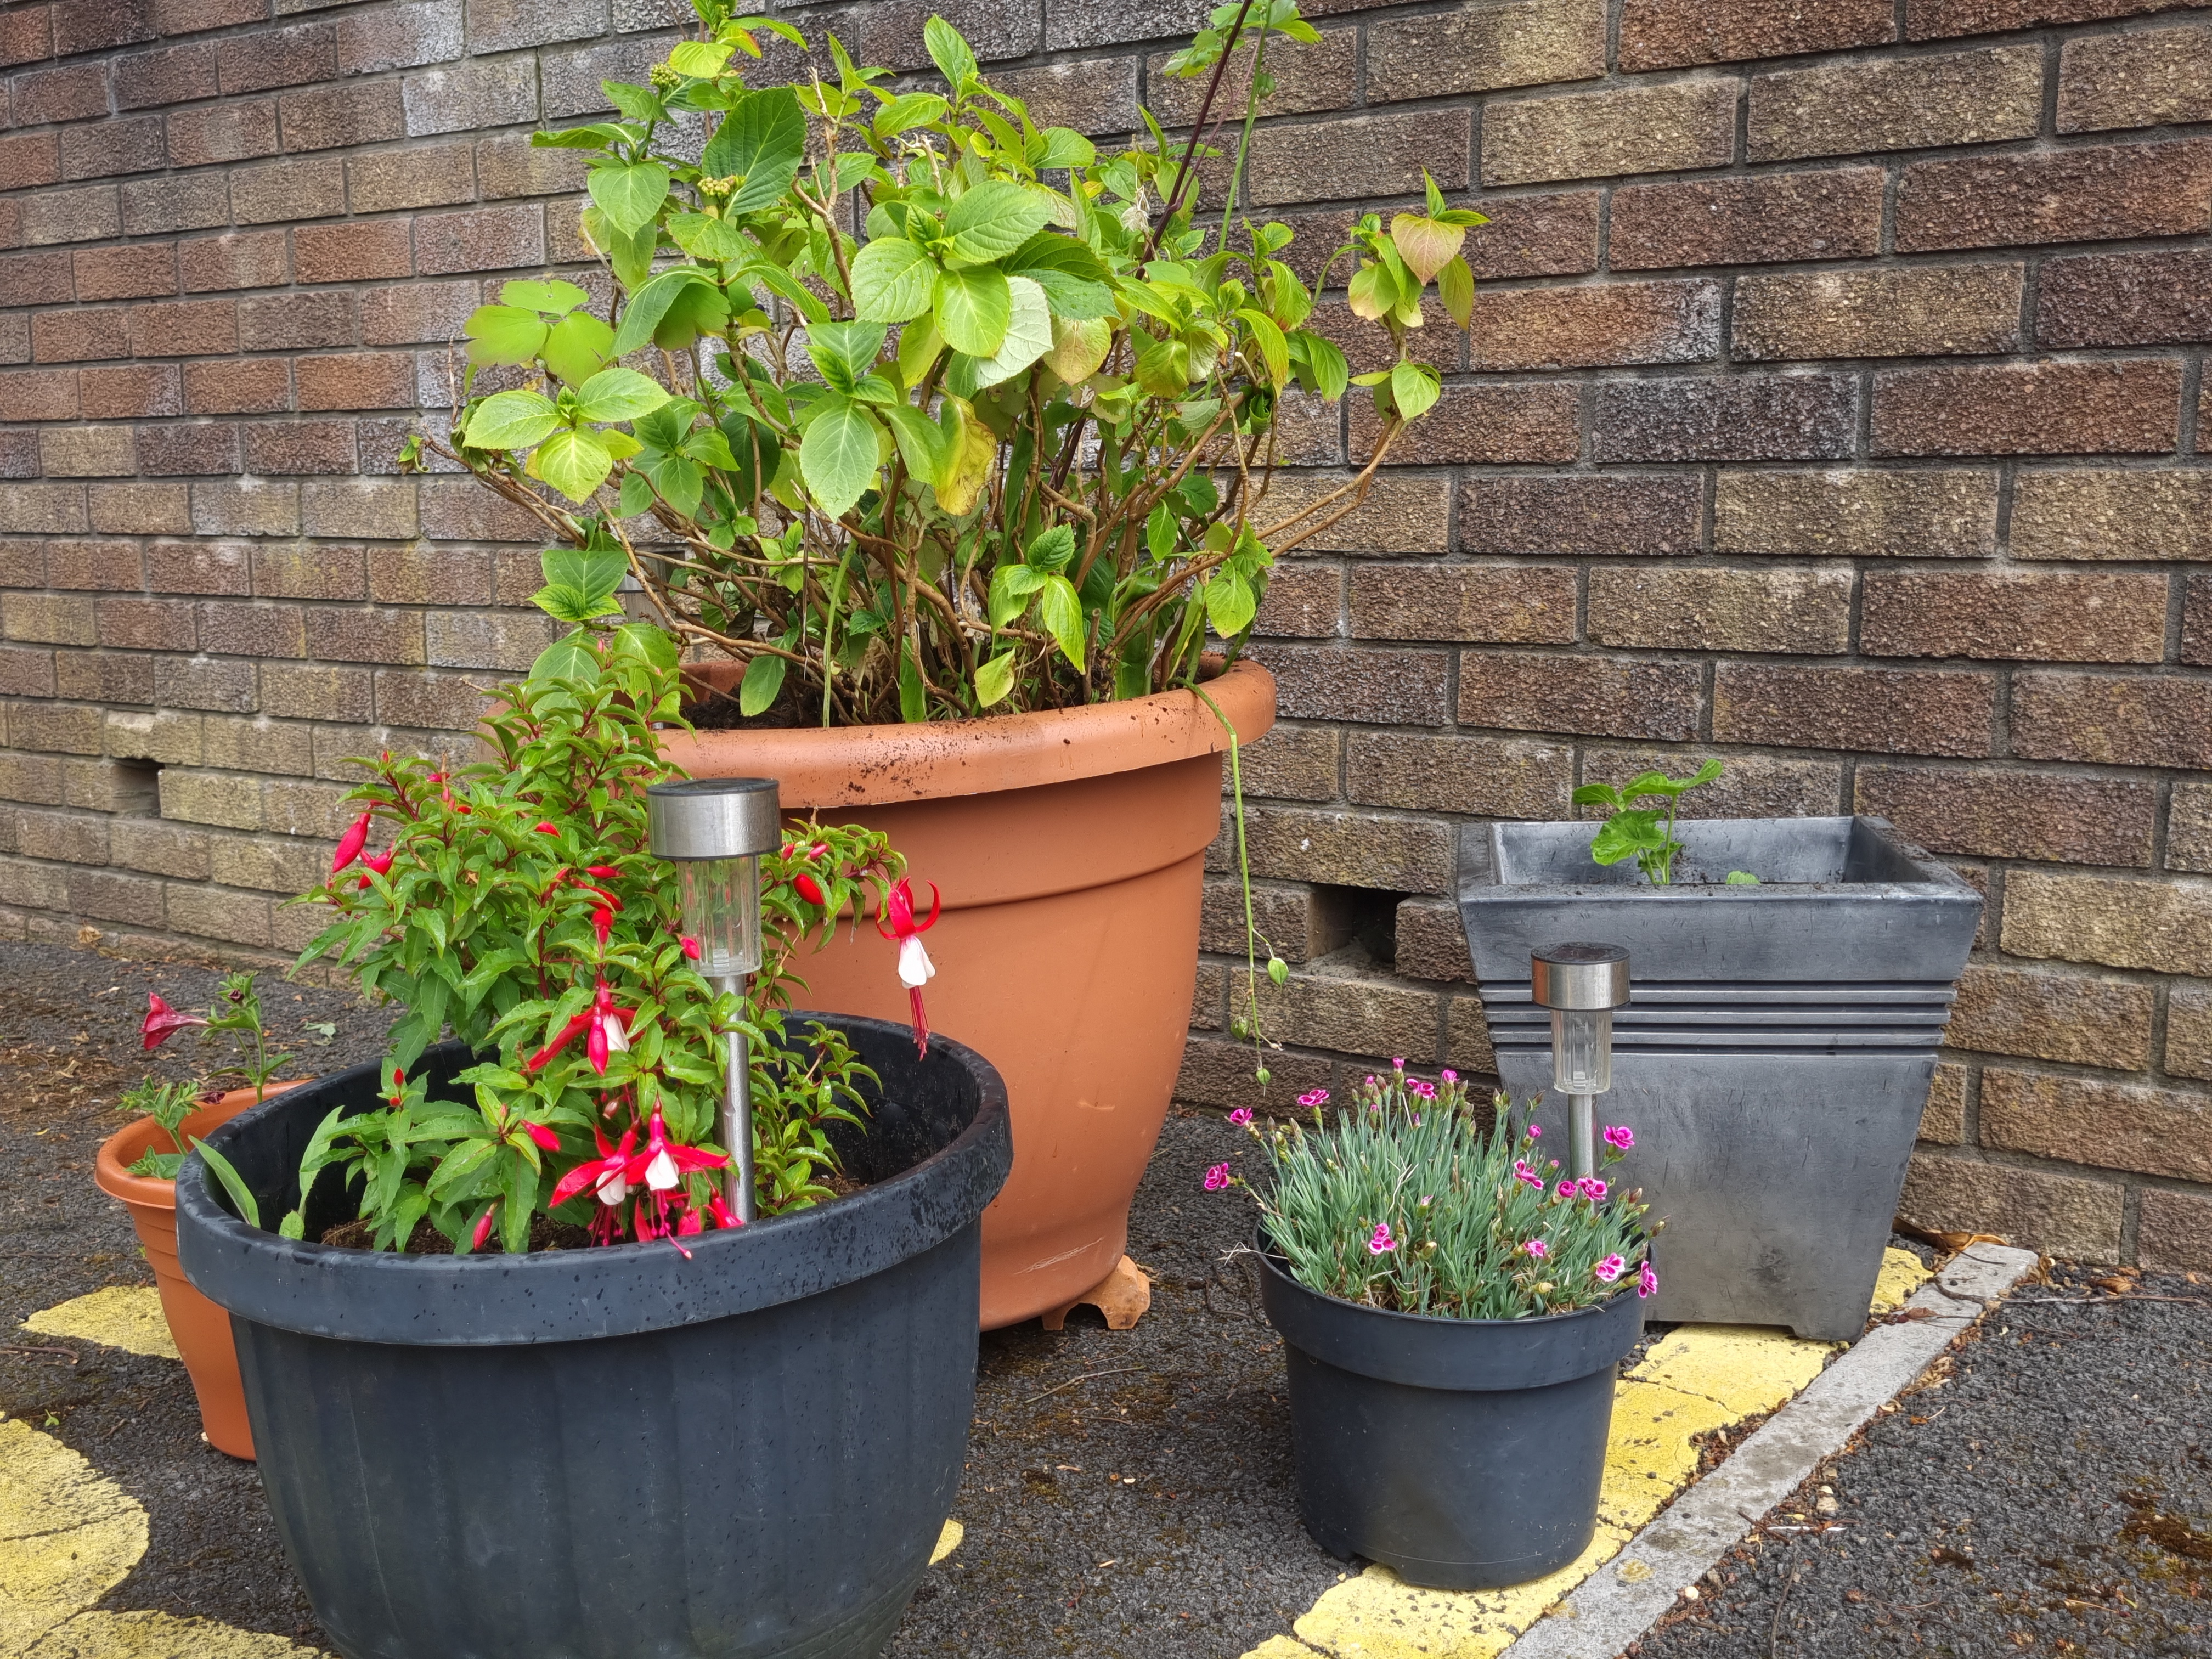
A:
(1465, 1453)
(618, 1453)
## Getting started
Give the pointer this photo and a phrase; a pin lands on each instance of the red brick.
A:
(199, 567)
(398, 37)
(491, 239)
(109, 148)
(1917, 512)
(2157, 77)
(287, 447)
(75, 93)
(26, 278)
(2173, 1231)
(2085, 194)
(163, 206)
(26, 36)
(184, 328)
(173, 17)
(171, 75)
(1597, 696)
(39, 394)
(30, 160)
(1389, 688)
(1481, 604)
(253, 258)
(147, 624)
(360, 380)
(83, 215)
(141, 510)
(1472, 49)
(130, 390)
(1890, 711)
(2014, 615)
(1595, 326)
(1484, 777)
(1665, 34)
(295, 321)
(96, 25)
(1916, 311)
(1593, 135)
(280, 57)
(280, 192)
(1851, 106)
(2119, 1126)
(1931, 19)
(87, 452)
(2124, 299)
(192, 449)
(2128, 407)
(252, 630)
(222, 132)
(430, 175)
(304, 570)
(2197, 622)
(137, 272)
(2112, 720)
(1765, 417)
(1614, 515)
(84, 564)
(249, 387)
(349, 253)
(1480, 424)
(1835, 214)
(1668, 608)
(2014, 813)
(329, 117)
(76, 336)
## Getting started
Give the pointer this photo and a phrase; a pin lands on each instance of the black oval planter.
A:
(1466, 1454)
(618, 1453)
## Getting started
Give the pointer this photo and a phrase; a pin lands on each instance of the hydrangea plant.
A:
(1012, 448)
(516, 902)
(1407, 1202)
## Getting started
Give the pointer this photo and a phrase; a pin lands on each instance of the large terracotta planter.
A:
(200, 1329)
(1069, 847)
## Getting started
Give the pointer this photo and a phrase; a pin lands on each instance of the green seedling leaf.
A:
(242, 1195)
(995, 679)
(1742, 878)
(763, 680)
(951, 54)
(554, 298)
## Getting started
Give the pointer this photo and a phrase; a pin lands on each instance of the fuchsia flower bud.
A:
(350, 843)
(484, 1226)
(547, 828)
(690, 946)
(808, 889)
(603, 921)
(546, 1139)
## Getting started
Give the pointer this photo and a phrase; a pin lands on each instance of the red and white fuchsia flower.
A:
(916, 969)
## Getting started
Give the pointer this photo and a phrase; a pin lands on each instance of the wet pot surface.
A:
(603, 1454)
(1465, 1453)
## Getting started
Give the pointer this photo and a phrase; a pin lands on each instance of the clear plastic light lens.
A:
(1581, 1050)
(721, 910)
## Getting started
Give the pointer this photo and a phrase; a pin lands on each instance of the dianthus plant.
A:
(1012, 447)
(1406, 1202)
(516, 903)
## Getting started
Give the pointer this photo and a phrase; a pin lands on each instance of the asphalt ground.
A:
(1129, 1495)
(2052, 1496)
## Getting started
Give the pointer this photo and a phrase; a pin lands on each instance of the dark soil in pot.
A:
(1466, 1454)
(606, 1453)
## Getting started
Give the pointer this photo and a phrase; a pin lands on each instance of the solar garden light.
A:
(1581, 985)
(714, 830)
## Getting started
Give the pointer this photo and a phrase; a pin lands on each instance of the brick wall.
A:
(1834, 406)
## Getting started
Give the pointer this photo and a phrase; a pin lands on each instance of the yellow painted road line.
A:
(947, 1541)
(1696, 1379)
(125, 1316)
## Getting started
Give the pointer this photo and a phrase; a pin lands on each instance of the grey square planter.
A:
(1776, 1052)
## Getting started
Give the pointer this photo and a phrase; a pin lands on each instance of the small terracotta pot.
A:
(1070, 848)
(200, 1329)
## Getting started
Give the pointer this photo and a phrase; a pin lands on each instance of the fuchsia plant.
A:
(517, 902)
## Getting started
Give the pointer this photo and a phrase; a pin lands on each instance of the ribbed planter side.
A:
(1070, 850)
(607, 1454)
(1777, 1050)
(1465, 1453)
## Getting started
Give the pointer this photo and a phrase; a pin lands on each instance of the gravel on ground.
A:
(2047, 1490)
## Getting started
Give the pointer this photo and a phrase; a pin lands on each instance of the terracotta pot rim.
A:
(836, 767)
(111, 1169)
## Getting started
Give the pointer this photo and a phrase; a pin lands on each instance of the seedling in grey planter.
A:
(1778, 1047)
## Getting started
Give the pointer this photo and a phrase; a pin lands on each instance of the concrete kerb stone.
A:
(1626, 1596)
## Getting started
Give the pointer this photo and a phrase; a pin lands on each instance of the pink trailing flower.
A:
(1620, 1137)
(1241, 1116)
(1526, 1172)
(1423, 1088)
(1647, 1284)
(602, 1176)
(162, 1022)
(914, 968)
(1564, 1189)
(1381, 1243)
(1610, 1269)
(379, 862)
(1217, 1177)
(1313, 1097)
(350, 843)
(1537, 1249)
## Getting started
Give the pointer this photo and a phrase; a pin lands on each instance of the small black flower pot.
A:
(1465, 1453)
(618, 1453)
